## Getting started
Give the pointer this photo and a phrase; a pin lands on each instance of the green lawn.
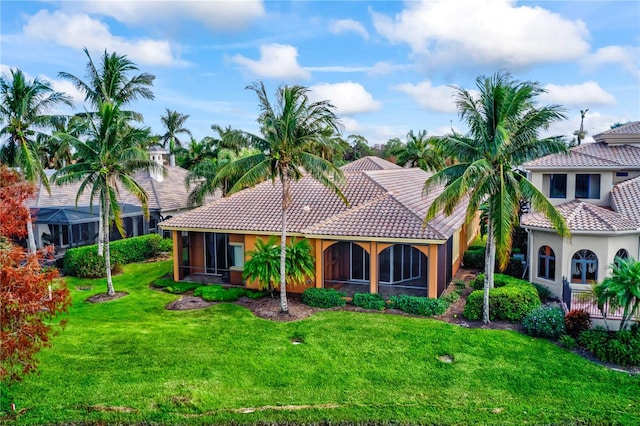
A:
(132, 361)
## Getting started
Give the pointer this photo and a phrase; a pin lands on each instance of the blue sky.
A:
(387, 66)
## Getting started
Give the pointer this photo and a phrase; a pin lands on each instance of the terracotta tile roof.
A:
(384, 203)
(168, 195)
(369, 163)
(591, 155)
(632, 128)
(625, 199)
(582, 216)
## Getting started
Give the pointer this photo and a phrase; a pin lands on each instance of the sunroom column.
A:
(373, 267)
(177, 255)
(432, 266)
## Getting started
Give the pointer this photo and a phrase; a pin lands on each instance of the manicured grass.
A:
(132, 361)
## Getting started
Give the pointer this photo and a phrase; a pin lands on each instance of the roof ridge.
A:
(597, 157)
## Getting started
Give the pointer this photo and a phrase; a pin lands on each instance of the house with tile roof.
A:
(377, 244)
(60, 221)
(596, 188)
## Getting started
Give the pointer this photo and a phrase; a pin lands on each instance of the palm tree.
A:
(290, 130)
(61, 152)
(109, 82)
(621, 289)
(422, 151)
(173, 122)
(109, 157)
(23, 113)
(504, 126)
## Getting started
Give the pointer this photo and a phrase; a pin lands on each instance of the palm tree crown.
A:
(291, 130)
(422, 151)
(109, 82)
(23, 112)
(504, 123)
(173, 123)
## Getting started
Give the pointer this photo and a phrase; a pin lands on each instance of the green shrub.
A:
(568, 342)
(576, 321)
(84, 262)
(419, 305)
(217, 293)
(460, 284)
(508, 303)
(323, 297)
(478, 243)
(369, 301)
(544, 321)
(499, 280)
(474, 258)
(543, 292)
(181, 287)
(452, 297)
(621, 347)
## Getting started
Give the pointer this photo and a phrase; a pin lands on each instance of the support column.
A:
(319, 263)
(432, 265)
(373, 267)
(177, 255)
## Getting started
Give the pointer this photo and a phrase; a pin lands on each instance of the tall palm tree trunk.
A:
(489, 267)
(101, 235)
(107, 250)
(30, 235)
(284, 307)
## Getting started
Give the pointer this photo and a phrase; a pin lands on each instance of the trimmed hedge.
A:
(218, 293)
(173, 287)
(323, 297)
(369, 301)
(474, 258)
(417, 305)
(509, 302)
(499, 280)
(84, 262)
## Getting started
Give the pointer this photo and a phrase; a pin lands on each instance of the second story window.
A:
(588, 186)
(558, 186)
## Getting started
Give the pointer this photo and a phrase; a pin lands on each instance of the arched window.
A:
(622, 254)
(584, 267)
(546, 263)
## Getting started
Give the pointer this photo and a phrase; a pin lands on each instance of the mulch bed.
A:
(104, 297)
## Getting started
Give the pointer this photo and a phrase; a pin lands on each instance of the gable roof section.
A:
(625, 199)
(385, 202)
(170, 194)
(583, 217)
(627, 133)
(597, 155)
(369, 163)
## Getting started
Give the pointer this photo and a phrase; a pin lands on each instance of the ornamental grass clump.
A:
(544, 321)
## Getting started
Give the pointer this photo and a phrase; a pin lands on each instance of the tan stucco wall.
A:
(604, 247)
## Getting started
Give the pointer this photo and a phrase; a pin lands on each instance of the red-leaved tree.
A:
(29, 296)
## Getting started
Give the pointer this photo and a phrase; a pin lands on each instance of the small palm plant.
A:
(264, 264)
(621, 289)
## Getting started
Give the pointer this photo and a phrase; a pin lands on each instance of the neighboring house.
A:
(378, 244)
(596, 188)
(60, 222)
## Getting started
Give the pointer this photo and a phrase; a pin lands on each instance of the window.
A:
(622, 254)
(558, 186)
(546, 263)
(584, 267)
(622, 174)
(237, 255)
(588, 186)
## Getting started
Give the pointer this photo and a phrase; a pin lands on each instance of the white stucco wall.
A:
(541, 180)
(605, 248)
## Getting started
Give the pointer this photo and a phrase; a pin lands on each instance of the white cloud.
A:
(79, 30)
(66, 87)
(276, 61)
(350, 125)
(337, 68)
(579, 95)
(433, 98)
(594, 122)
(348, 97)
(348, 25)
(495, 32)
(626, 56)
(386, 68)
(217, 15)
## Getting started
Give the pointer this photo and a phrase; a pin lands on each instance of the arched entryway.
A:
(346, 268)
(402, 269)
